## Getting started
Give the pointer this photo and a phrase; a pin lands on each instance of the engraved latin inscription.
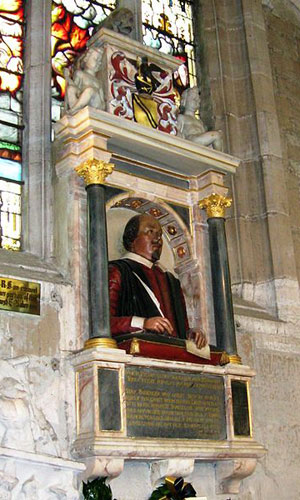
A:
(169, 404)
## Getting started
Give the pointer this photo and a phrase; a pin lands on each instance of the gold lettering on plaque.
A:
(175, 403)
(19, 296)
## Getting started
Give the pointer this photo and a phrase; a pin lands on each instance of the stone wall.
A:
(37, 393)
(242, 92)
(283, 34)
(272, 349)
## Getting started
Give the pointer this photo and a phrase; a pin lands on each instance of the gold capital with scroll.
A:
(94, 171)
(215, 205)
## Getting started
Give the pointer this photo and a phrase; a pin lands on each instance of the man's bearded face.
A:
(148, 242)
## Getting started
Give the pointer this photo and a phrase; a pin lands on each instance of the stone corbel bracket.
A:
(101, 467)
(178, 467)
(229, 474)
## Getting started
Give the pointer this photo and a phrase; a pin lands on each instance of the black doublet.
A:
(134, 299)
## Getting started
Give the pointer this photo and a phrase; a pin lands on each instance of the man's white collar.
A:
(138, 258)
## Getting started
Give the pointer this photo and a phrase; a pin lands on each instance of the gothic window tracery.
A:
(168, 27)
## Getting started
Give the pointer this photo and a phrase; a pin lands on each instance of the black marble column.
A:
(221, 284)
(94, 173)
(97, 262)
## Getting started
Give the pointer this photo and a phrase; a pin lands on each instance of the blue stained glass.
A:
(10, 169)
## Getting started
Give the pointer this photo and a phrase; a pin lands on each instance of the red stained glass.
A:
(10, 154)
(72, 26)
(11, 44)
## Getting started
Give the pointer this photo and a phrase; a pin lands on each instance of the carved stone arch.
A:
(177, 248)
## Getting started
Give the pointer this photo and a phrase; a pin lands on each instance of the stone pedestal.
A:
(109, 432)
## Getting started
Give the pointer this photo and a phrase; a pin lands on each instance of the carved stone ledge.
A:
(229, 474)
(101, 466)
(179, 467)
(92, 133)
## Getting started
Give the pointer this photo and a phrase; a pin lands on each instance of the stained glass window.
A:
(11, 120)
(10, 215)
(73, 22)
(168, 27)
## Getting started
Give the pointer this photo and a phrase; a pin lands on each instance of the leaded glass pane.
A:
(10, 215)
(11, 74)
(11, 121)
(73, 22)
(167, 26)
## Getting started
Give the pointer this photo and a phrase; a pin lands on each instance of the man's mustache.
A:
(157, 242)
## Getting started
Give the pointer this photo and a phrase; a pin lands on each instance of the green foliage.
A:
(173, 489)
(160, 492)
(97, 490)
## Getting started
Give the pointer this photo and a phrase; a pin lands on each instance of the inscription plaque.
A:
(172, 404)
(19, 296)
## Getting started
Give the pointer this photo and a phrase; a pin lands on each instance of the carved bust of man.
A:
(142, 295)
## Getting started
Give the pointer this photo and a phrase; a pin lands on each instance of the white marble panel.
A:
(86, 399)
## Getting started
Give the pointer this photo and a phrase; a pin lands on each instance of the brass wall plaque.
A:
(172, 404)
(19, 296)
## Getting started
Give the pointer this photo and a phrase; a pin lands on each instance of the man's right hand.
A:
(158, 324)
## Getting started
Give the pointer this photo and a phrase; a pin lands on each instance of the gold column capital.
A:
(215, 205)
(94, 171)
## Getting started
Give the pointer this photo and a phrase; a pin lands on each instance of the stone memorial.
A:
(80, 400)
(131, 405)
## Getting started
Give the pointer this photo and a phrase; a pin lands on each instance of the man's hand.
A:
(199, 338)
(158, 324)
